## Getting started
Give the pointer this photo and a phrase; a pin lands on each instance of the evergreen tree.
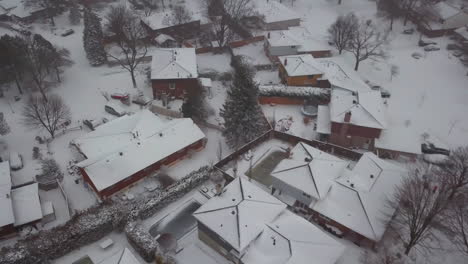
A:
(13, 59)
(51, 169)
(74, 15)
(194, 104)
(93, 39)
(243, 119)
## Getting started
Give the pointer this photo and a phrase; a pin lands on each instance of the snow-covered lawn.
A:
(267, 77)
(210, 62)
(290, 117)
(253, 53)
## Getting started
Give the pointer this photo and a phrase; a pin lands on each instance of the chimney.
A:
(268, 35)
(347, 117)
(285, 61)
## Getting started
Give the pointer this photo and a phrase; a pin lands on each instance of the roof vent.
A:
(139, 143)
(233, 199)
(160, 134)
(307, 159)
(233, 212)
(121, 153)
(372, 176)
(250, 196)
(352, 185)
(353, 93)
(354, 102)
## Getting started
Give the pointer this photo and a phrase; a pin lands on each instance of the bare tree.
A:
(46, 113)
(180, 15)
(383, 256)
(456, 220)
(389, 10)
(37, 65)
(454, 171)
(420, 200)
(130, 34)
(225, 12)
(366, 43)
(342, 31)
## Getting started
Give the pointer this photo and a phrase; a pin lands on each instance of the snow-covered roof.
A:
(205, 82)
(126, 145)
(323, 120)
(47, 208)
(238, 215)
(300, 65)
(26, 204)
(175, 63)
(6, 216)
(124, 256)
(366, 108)
(273, 11)
(358, 199)
(290, 239)
(399, 138)
(463, 32)
(18, 8)
(340, 75)
(296, 36)
(309, 170)
(161, 38)
(444, 10)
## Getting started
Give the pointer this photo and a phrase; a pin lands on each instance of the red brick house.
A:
(127, 149)
(173, 71)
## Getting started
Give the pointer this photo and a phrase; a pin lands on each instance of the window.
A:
(310, 76)
(172, 86)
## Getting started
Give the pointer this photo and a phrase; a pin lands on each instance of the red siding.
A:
(144, 172)
(162, 86)
(7, 230)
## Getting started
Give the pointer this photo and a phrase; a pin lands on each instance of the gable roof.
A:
(128, 144)
(290, 239)
(175, 63)
(296, 36)
(310, 170)
(26, 204)
(238, 215)
(6, 216)
(300, 65)
(357, 200)
(274, 11)
(366, 108)
(340, 75)
(444, 10)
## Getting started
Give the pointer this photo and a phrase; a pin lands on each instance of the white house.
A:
(438, 19)
(276, 16)
(248, 225)
(295, 40)
(350, 199)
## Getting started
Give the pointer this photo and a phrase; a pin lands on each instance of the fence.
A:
(65, 196)
(280, 100)
(324, 146)
(114, 62)
(164, 111)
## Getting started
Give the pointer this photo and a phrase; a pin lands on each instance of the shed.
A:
(48, 212)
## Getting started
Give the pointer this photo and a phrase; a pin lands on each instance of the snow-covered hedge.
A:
(142, 241)
(321, 94)
(85, 227)
(172, 193)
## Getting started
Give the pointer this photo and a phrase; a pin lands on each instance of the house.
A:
(248, 225)
(19, 205)
(440, 18)
(461, 34)
(173, 71)
(300, 70)
(349, 200)
(356, 112)
(295, 40)
(398, 142)
(129, 148)
(7, 218)
(276, 16)
(165, 41)
(16, 10)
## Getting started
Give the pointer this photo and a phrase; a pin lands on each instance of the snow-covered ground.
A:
(253, 53)
(290, 119)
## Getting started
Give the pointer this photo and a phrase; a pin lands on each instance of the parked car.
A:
(385, 93)
(431, 48)
(408, 31)
(453, 46)
(16, 161)
(457, 53)
(114, 109)
(423, 43)
(416, 55)
(93, 123)
(67, 32)
(142, 100)
(429, 148)
(120, 96)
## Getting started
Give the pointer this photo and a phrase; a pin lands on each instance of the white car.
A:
(115, 109)
(16, 161)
